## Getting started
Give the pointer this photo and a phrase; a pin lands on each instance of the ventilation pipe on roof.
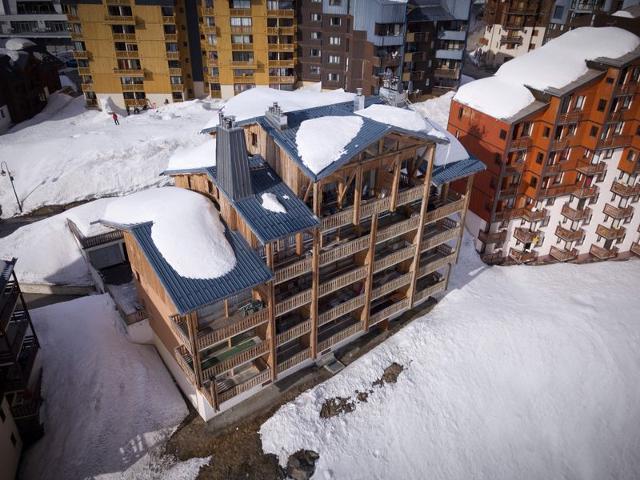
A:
(276, 116)
(232, 161)
(358, 102)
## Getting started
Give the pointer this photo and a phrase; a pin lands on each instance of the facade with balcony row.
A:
(358, 242)
(563, 173)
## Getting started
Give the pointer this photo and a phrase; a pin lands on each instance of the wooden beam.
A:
(368, 286)
(299, 243)
(467, 198)
(315, 286)
(213, 391)
(395, 185)
(271, 305)
(357, 198)
(308, 192)
(192, 329)
(415, 265)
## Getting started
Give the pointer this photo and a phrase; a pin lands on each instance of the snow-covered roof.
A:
(399, 117)
(553, 66)
(201, 156)
(623, 14)
(181, 221)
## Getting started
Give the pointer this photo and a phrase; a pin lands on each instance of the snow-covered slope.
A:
(519, 372)
(107, 401)
(68, 153)
(435, 109)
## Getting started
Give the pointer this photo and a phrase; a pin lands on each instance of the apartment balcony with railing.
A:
(244, 348)
(494, 237)
(635, 248)
(8, 300)
(338, 330)
(526, 235)
(17, 375)
(563, 255)
(618, 213)
(429, 285)
(569, 235)
(591, 169)
(522, 256)
(625, 190)
(610, 233)
(292, 326)
(241, 379)
(603, 253)
(440, 232)
(292, 354)
(575, 214)
(530, 215)
(15, 333)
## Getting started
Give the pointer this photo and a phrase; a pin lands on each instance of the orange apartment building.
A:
(343, 248)
(562, 179)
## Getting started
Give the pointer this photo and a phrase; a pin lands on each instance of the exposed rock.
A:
(362, 396)
(390, 374)
(335, 406)
(302, 464)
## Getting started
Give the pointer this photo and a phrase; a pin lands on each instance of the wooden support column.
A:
(213, 391)
(315, 286)
(415, 265)
(317, 198)
(192, 329)
(396, 183)
(463, 216)
(299, 244)
(357, 198)
(226, 308)
(368, 286)
(271, 326)
(446, 283)
(445, 193)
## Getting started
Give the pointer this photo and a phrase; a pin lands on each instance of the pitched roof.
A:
(455, 171)
(189, 294)
(265, 224)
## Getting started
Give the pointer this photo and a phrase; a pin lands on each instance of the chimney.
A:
(276, 116)
(232, 161)
(358, 102)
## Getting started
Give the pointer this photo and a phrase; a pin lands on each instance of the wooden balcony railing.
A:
(294, 302)
(585, 192)
(168, 19)
(570, 117)
(84, 71)
(615, 141)
(559, 144)
(391, 310)
(575, 214)
(635, 248)
(294, 332)
(389, 287)
(603, 253)
(127, 54)
(440, 238)
(259, 379)
(81, 54)
(176, 324)
(618, 212)
(521, 143)
(344, 250)
(563, 255)
(508, 191)
(242, 325)
(569, 235)
(340, 336)
(342, 281)
(398, 229)
(294, 360)
(119, 20)
(282, 63)
(129, 37)
(242, 357)
(623, 190)
(30, 408)
(293, 270)
(525, 213)
(590, 169)
(525, 235)
(511, 39)
(282, 47)
(430, 291)
(444, 211)
(410, 195)
(610, 233)
(451, 73)
(341, 309)
(436, 264)
(130, 72)
(184, 359)
(521, 256)
(393, 258)
(495, 237)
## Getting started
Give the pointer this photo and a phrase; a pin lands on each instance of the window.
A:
(539, 158)
(254, 139)
(534, 33)
(497, 158)
(335, 3)
(546, 132)
(534, 182)
(334, 59)
(580, 102)
(335, 21)
(314, 70)
(602, 104)
(316, 35)
(316, 17)
(593, 132)
(242, 39)
(333, 77)
(240, 21)
(609, 80)
(241, 4)
(503, 134)
(557, 13)
(460, 112)
(315, 52)
(334, 40)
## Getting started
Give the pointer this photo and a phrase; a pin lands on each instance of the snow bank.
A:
(107, 401)
(435, 109)
(18, 44)
(623, 14)
(321, 141)
(554, 65)
(495, 96)
(186, 229)
(46, 250)
(188, 158)
(270, 202)
(496, 385)
(255, 101)
(452, 152)
(67, 153)
(398, 117)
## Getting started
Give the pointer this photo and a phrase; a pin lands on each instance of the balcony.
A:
(635, 248)
(559, 144)
(129, 72)
(128, 37)
(283, 13)
(120, 20)
(387, 312)
(81, 55)
(282, 47)
(603, 253)
(525, 236)
(86, 87)
(294, 360)
(242, 46)
(429, 286)
(171, 37)
(450, 73)
(84, 71)
(511, 39)
(282, 63)
(397, 229)
(175, 71)
(91, 103)
(298, 330)
(563, 255)
(446, 209)
(436, 259)
(570, 117)
(618, 212)
(76, 36)
(15, 333)
(233, 386)
(575, 214)
(342, 281)
(169, 19)
(212, 29)
(626, 89)
(239, 29)
(439, 233)
(508, 191)
(177, 87)
(569, 235)
(591, 169)
(416, 37)
(224, 360)
(207, 11)
(173, 55)
(8, 301)
(520, 256)
(396, 256)
(281, 31)
(342, 250)
(557, 191)
(344, 303)
(136, 102)
(293, 302)
(17, 375)
(625, 190)
(135, 87)
(328, 339)
(521, 143)
(525, 213)
(244, 64)
(286, 79)
(615, 141)
(585, 192)
(610, 233)
(127, 54)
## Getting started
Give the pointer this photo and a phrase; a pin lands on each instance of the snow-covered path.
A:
(519, 372)
(108, 402)
(67, 153)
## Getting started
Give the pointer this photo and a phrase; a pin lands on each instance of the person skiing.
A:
(114, 115)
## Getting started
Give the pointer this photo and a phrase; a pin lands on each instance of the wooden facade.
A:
(386, 241)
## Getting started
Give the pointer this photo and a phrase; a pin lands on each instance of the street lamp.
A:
(4, 171)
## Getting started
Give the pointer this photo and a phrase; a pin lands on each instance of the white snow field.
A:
(67, 153)
(519, 372)
(109, 403)
(435, 109)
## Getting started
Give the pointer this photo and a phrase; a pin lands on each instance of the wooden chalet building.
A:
(370, 236)
(20, 372)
